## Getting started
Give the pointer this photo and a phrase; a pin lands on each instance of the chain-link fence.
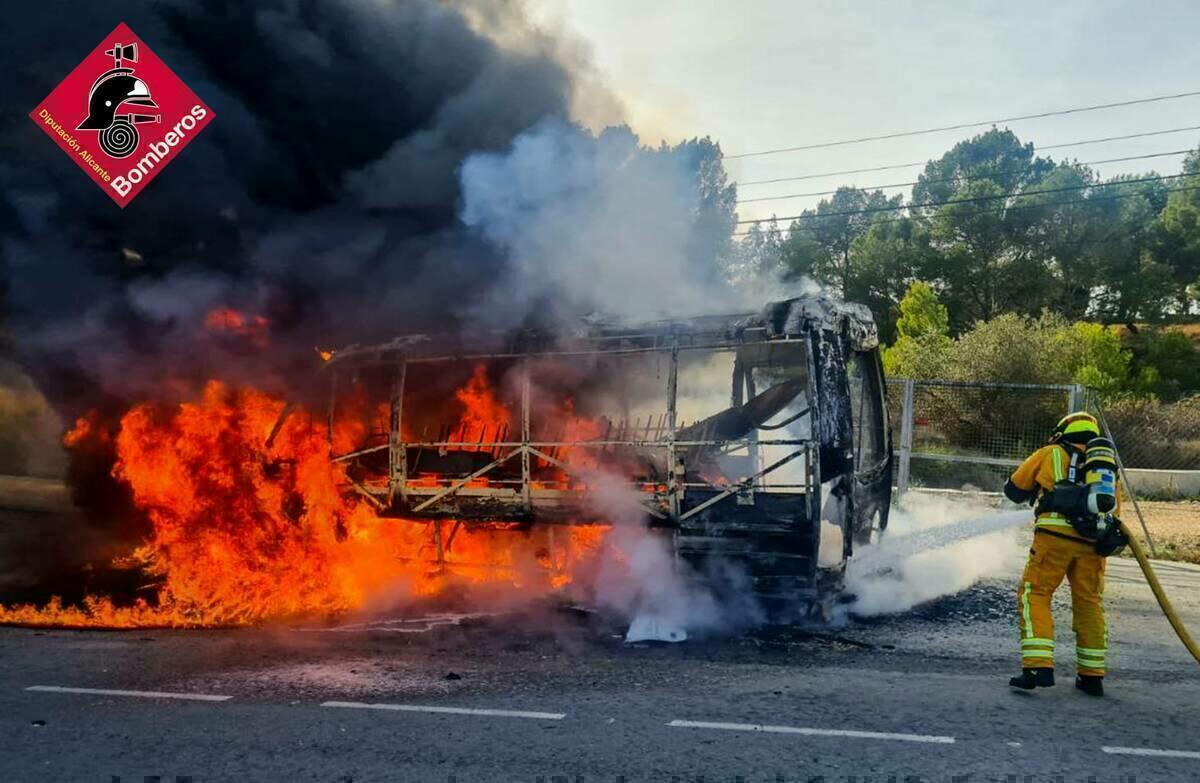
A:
(956, 435)
(1154, 435)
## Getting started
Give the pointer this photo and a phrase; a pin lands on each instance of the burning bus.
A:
(759, 440)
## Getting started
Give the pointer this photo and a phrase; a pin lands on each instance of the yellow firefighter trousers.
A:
(1050, 559)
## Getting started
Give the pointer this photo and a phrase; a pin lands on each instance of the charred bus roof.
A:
(779, 320)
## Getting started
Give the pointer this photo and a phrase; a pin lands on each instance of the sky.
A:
(764, 74)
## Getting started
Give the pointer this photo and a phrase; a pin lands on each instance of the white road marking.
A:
(881, 735)
(355, 705)
(1175, 754)
(142, 694)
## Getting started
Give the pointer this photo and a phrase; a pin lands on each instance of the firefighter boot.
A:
(1090, 684)
(1033, 678)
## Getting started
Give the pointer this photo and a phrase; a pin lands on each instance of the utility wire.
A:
(960, 178)
(970, 200)
(962, 125)
(891, 167)
(1116, 138)
(895, 166)
(1115, 236)
(1006, 210)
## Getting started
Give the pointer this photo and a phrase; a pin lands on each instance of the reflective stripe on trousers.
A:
(1050, 560)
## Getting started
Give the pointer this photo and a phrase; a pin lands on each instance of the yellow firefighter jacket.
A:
(1042, 470)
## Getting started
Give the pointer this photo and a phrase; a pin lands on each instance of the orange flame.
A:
(244, 532)
(482, 412)
(226, 320)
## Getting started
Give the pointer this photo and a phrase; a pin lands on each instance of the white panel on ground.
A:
(654, 628)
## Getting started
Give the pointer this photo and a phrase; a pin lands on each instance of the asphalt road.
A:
(553, 694)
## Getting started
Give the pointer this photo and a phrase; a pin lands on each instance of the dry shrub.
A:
(1153, 434)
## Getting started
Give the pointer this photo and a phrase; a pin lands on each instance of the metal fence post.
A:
(1078, 399)
(906, 428)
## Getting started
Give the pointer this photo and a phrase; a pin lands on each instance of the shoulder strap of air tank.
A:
(1072, 468)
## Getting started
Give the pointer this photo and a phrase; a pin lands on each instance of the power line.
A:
(924, 162)
(970, 200)
(1092, 200)
(1116, 138)
(831, 174)
(1113, 237)
(962, 125)
(961, 178)
(1018, 207)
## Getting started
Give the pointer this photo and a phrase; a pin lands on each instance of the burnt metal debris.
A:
(790, 469)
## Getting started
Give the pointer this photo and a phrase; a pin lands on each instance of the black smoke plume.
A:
(324, 198)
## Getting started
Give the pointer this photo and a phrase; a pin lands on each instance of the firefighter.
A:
(1060, 549)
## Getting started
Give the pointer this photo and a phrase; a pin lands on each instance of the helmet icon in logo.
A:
(113, 98)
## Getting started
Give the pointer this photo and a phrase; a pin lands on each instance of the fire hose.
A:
(1160, 595)
(1139, 554)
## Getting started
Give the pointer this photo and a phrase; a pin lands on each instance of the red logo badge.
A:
(122, 115)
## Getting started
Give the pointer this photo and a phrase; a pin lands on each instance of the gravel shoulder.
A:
(1174, 526)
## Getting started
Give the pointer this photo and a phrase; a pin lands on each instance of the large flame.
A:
(483, 413)
(249, 527)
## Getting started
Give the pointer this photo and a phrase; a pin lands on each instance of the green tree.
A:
(922, 313)
(994, 229)
(1004, 349)
(996, 156)
(1132, 283)
(1047, 349)
(801, 256)
(1178, 236)
(1086, 353)
(1165, 363)
(982, 269)
(715, 207)
(893, 253)
(819, 243)
(1057, 231)
(923, 347)
(919, 357)
(758, 255)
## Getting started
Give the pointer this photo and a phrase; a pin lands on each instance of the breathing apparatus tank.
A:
(1089, 506)
(1100, 476)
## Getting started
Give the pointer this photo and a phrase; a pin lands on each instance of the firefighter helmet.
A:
(112, 90)
(1078, 427)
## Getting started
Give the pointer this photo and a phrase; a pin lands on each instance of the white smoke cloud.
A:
(934, 546)
(593, 223)
(639, 576)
